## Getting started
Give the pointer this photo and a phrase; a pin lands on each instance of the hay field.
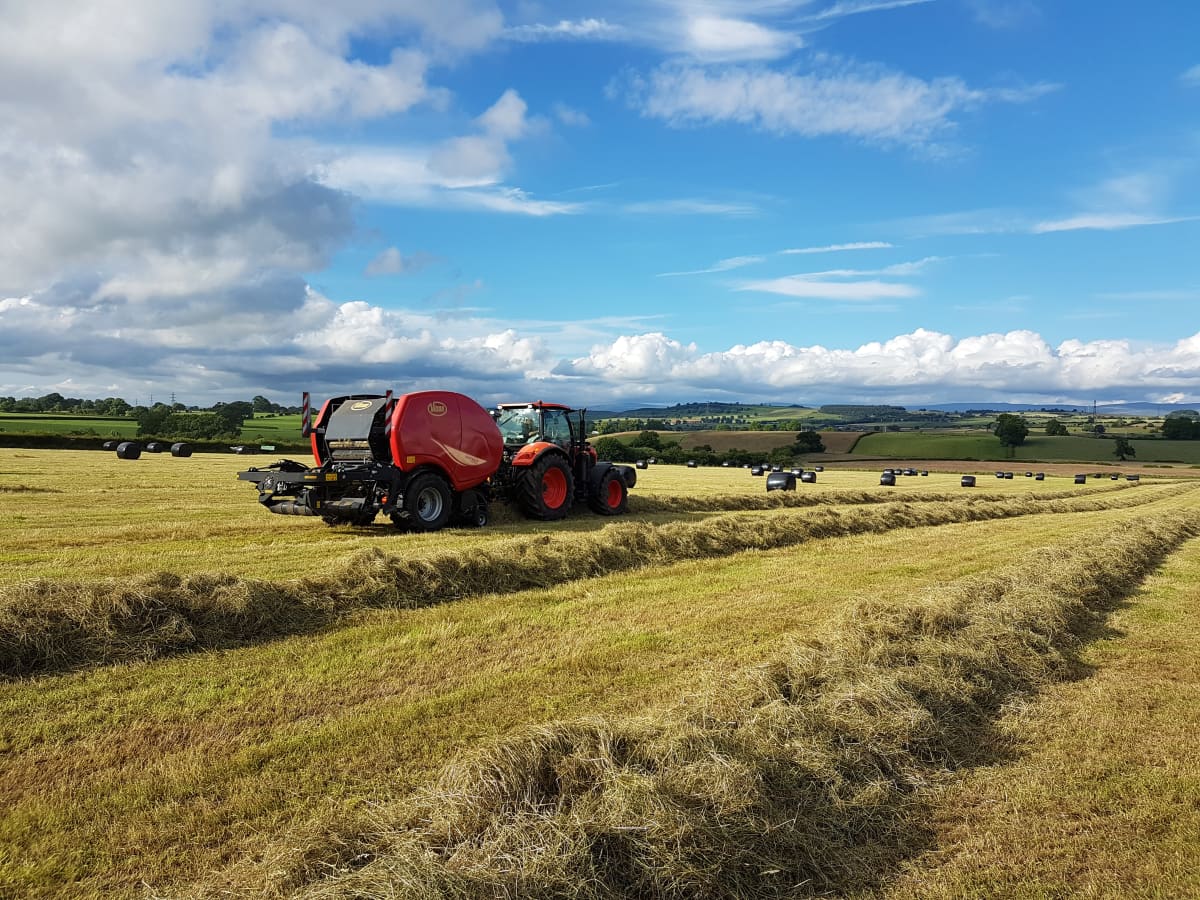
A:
(227, 726)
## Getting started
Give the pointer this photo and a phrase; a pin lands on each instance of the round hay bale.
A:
(924, 473)
(652, 460)
(1040, 476)
(1008, 476)
(776, 468)
(887, 478)
(797, 471)
(641, 464)
(181, 449)
(691, 464)
(157, 447)
(819, 468)
(1028, 474)
(129, 450)
(808, 477)
(781, 481)
(757, 470)
(968, 481)
(1081, 479)
(725, 465)
(1115, 476)
(109, 445)
(999, 474)
(1133, 477)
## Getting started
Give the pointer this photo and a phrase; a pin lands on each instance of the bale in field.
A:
(129, 450)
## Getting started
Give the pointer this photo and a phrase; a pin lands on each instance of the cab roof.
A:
(537, 404)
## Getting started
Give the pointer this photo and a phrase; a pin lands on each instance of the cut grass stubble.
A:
(802, 776)
(50, 626)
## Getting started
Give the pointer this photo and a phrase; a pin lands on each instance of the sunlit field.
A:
(292, 709)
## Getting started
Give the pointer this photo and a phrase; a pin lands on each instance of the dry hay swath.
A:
(26, 489)
(800, 777)
(50, 626)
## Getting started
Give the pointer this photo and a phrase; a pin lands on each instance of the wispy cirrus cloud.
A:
(816, 286)
(1105, 222)
(689, 207)
(724, 265)
(840, 99)
(837, 248)
(566, 29)
(1191, 76)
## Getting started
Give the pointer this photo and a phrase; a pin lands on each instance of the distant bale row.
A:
(133, 449)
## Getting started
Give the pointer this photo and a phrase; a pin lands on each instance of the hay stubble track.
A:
(258, 766)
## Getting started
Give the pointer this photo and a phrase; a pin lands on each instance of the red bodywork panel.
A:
(447, 430)
(320, 421)
(528, 454)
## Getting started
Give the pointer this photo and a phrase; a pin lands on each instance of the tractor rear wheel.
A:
(547, 488)
(609, 495)
(426, 503)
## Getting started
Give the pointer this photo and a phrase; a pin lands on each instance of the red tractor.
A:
(548, 463)
(432, 458)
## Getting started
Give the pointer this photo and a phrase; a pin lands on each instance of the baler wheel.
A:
(427, 503)
(610, 495)
(547, 489)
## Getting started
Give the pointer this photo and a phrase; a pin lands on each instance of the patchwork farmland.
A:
(850, 689)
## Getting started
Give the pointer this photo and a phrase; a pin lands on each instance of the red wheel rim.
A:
(614, 494)
(554, 488)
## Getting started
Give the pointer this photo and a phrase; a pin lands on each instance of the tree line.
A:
(220, 421)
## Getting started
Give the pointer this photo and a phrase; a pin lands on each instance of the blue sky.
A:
(812, 201)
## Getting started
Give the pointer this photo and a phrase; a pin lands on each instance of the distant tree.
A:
(1180, 428)
(1011, 429)
(1056, 428)
(1123, 448)
(261, 404)
(808, 442)
(648, 439)
(1099, 429)
(234, 413)
(613, 450)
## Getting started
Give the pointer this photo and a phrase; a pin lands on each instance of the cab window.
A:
(556, 426)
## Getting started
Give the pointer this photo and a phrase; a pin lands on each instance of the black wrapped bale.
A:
(1081, 479)
(924, 473)
(129, 450)
(181, 449)
(1115, 477)
(1040, 476)
(808, 477)
(691, 464)
(781, 481)
(1008, 476)
(757, 470)
(157, 447)
(888, 478)
(1133, 477)
(641, 464)
(109, 445)
(1028, 474)
(819, 468)
(968, 481)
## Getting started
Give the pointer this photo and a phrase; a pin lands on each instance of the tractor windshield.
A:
(519, 426)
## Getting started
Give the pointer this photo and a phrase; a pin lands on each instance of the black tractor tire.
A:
(609, 495)
(426, 503)
(547, 489)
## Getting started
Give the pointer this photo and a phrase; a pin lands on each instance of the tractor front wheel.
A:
(547, 488)
(610, 494)
(426, 503)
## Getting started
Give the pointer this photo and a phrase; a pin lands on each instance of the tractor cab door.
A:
(556, 427)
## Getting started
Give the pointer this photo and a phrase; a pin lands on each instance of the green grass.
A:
(42, 423)
(929, 445)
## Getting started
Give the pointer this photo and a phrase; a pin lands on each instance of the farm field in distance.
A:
(291, 755)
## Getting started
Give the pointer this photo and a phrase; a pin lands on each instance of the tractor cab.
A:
(523, 424)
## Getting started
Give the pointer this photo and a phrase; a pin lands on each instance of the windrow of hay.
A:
(26, 489)
(48, 626)
(641, 503)
(800, 777)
